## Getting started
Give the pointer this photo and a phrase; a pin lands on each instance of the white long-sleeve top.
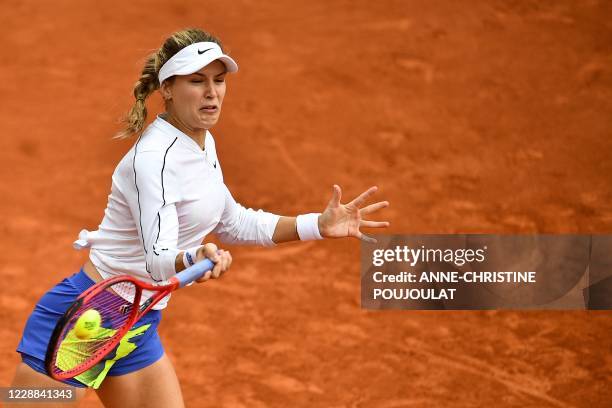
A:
(167, 195)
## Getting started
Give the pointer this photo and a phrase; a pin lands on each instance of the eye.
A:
(196, 81)
(220, 80)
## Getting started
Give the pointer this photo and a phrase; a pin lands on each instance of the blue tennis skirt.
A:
(142, 343)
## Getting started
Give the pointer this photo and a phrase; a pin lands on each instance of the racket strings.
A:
(79, 343)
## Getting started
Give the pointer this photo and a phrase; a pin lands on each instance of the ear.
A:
(166, 91)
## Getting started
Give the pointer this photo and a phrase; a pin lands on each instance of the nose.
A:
(210, 91)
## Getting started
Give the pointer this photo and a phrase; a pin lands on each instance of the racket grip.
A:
(194, 272)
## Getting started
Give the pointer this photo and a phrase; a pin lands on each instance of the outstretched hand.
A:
(344, 220)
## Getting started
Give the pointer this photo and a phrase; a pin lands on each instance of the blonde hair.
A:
(147, 83)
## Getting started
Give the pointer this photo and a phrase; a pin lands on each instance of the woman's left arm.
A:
(337, 220)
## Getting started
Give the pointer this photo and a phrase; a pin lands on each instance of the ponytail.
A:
(147, 83)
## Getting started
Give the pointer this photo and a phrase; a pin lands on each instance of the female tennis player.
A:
(167, 196)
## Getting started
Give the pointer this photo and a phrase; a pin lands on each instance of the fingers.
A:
(208, 251)
(205, 277)
(358, 202)
(336, 196)
(373, 207)
(223, 263)
(370, 224)
(221, 258)
(366, 238)
(373, 224)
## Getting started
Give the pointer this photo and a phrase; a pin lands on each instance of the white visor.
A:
(193, 58)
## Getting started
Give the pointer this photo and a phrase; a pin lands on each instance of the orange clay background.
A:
(471, 116)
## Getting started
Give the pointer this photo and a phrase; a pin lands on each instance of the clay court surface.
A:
(471, 116)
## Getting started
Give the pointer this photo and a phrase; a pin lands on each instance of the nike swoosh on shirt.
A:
(202, 52)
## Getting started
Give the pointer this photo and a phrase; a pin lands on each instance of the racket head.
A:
(71, 352)
(69, 355)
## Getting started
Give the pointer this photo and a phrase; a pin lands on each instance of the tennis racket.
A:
(73, 350)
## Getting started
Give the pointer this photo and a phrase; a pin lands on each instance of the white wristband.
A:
(190, 256)
(307, 226)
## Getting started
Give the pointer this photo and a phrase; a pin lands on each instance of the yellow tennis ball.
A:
(87, 324)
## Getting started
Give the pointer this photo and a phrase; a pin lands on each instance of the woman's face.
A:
(194, 101)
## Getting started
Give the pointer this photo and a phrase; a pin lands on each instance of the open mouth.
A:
(209, 108)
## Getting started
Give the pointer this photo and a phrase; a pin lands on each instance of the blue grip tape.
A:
(194, 272)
